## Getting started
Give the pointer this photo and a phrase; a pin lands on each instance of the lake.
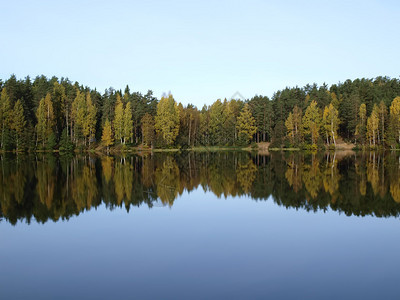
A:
(206, 225)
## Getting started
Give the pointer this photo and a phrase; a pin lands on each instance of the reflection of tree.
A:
(331, 177)
(220, 170)
(293, 174)
(147, 171)
(13, 179)
(394, 172)
(373, 176)
(312, 177)
(361, 172)
(51, 187)
(245, 174)
(84, 187)
(107, 167)
(45, 182)
(123, 179)
(166, 179)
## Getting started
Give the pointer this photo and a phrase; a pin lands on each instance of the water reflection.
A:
(47, 187)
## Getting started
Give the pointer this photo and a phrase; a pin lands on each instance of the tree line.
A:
(58, 114)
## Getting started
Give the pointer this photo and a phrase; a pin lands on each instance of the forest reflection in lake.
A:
(49, 187)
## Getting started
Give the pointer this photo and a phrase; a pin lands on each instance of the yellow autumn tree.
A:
(394, 121)
(128, 123)
(107, 136)
(293, 125)
(119, 120)
(246, 124)
(312, 122)
(373, 126)
(167, 119)
(330, 121)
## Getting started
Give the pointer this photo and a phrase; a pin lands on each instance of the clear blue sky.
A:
(200, 50)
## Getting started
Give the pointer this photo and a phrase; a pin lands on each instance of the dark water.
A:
(200, 226)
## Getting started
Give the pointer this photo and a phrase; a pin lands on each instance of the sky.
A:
(200, 50)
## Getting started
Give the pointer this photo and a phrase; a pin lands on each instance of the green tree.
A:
(148, 129)
(59, 98)
(361, 129)
(89, 122)
(45, 117)
(246, 124)
(78, 116)
(18, 122)
(215, 124)
(261, 109)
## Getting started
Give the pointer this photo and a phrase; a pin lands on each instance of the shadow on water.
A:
(48, 187)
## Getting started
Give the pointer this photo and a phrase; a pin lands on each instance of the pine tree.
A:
(18, 122)
(107, 137)
(246, 124)
(261, 108)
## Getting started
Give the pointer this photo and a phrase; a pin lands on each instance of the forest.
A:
(58, 114)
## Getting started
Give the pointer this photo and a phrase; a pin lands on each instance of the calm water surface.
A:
(200, 226)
